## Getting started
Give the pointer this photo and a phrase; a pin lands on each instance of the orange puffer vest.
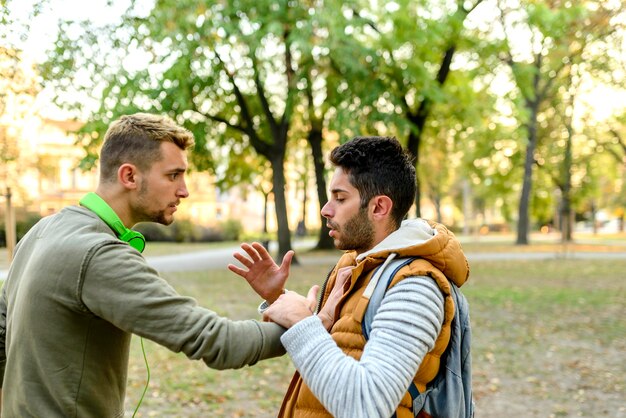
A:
(441, 259)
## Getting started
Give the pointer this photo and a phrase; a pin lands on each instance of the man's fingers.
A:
(237, 270)
(344, 272)
(313, 292)
(261, 251)
(243, 259)
(241, 272)
(266, 317)
(312, 297)
(286, 264)
(252, 251)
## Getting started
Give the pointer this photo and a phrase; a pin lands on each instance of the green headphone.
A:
(97, 205)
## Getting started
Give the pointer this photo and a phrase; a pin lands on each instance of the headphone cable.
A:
(145, 359)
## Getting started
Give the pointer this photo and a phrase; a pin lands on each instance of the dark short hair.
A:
(379, 166)
(136, 139)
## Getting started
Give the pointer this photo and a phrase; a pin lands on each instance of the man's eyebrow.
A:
(335, 191)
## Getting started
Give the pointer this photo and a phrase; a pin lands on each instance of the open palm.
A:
(261, 272)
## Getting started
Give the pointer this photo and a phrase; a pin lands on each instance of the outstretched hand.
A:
(291, 308)
(261, 272)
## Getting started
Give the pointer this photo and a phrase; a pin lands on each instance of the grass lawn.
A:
(549, 340)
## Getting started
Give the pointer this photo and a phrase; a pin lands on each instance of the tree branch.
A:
(260, 91)
(396, 74)
(508, 57)
(223, 120)
(619, 138)
(290, 72)
(471, 9)
(241, 100)
(248, 125)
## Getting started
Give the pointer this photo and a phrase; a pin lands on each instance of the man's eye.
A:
(174, 176)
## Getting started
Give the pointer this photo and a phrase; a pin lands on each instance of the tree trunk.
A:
(413, 146)
(418, 119)
(301, 229)
(304, 182)
(594, 218)
(566, 219)
(523, 223)
(278, 183)
(266, 198)
(9, 225)
(437, 202)
(315, 139)
(466, 207)
(265, 241)
(566, 206)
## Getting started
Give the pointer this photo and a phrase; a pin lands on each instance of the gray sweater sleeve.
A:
(119, 286)
(404, 329)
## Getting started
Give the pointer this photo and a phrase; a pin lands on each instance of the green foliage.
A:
(155, 232)
(560, 39)
(24, 222)
(185, 231)
(17, 88)
(231, 229)
(27, 221)
(227, 71)
(252, 78)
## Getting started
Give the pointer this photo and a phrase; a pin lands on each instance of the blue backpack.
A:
(449, 394)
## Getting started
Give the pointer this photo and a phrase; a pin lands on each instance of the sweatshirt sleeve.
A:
(119, 286)
(404, 329)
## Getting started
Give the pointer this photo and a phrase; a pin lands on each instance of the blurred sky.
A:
(44, 27)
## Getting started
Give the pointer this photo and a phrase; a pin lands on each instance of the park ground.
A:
(549, 336)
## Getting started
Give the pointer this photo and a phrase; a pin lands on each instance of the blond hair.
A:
(136, 139)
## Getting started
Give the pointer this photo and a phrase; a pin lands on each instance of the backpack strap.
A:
(377, 287)
(381, 279)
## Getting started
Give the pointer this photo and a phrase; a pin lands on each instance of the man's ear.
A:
(380, 207)
(127, 175)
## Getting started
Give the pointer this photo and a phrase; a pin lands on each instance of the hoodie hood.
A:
(428, 240)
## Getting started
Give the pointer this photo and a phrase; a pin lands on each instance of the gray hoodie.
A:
(73, 297)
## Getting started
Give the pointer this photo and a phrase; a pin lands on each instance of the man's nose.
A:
(326, 210)
(183, 191)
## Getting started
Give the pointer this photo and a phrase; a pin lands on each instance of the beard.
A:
(356, 234)
(150, 215)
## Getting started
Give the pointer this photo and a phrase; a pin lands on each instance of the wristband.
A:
(264, 305)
